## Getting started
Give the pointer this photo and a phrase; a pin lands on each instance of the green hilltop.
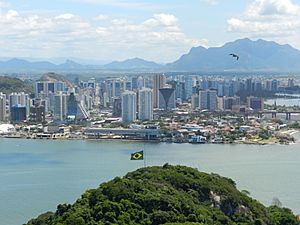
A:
(12, 84)
(169, 195)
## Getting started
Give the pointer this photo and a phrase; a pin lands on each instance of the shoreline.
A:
(237, 142)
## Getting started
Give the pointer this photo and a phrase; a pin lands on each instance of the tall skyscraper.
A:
(229, 103)
(188, 86)
(274, 85)
(167, 98)
(129, 107)
(2, 107)
(18, 113)
(291, 83)
(72, 106)
(208, 100)
(159, 82)
(60, 107)
(20, 99)
(195, 101)
(256, 104)
(46, 87)
(37, 111)
(145, 104)
(117, 107)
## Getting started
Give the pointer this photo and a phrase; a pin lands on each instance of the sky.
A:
(154, 30)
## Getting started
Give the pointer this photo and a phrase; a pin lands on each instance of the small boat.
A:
(197, 139)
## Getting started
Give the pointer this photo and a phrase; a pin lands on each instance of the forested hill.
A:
(166, 195)
(12, 84)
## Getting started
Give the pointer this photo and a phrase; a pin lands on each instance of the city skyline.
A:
(117, 30)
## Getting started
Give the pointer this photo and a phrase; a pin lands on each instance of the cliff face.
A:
(166, 195)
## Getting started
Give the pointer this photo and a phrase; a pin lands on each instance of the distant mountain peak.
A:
(258, 55)
(133, 64)
(255, 55)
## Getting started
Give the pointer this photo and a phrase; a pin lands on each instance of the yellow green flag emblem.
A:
(137, 156)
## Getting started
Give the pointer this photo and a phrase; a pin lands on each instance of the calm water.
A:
(36, 175)
(284, 101)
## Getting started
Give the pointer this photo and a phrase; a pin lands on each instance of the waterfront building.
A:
(60, 106)
(255, 103)
(37, 111)
(167, 99)
(18, 113)
(3, 115)
(129, 106)
(159, 82)
(20, 99)
(145, 104)
(208, 100)
(72, 107)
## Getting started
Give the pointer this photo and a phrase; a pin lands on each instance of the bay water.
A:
(37, 175)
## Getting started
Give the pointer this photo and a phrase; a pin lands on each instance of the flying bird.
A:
(235, 56)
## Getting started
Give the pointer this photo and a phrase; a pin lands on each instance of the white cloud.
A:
(4, 4)
(267, 18)
(122, 3)
(101, 17)
(158, 38)
(66, 16)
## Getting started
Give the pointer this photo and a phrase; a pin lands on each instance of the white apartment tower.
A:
(60, 106)
(145, 104)
(2, 107)
(129, 107)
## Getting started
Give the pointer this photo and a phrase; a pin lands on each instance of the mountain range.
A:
(254, 56)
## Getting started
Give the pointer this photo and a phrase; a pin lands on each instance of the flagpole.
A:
(144, 155)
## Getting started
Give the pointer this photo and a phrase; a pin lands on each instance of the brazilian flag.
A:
(137, 156)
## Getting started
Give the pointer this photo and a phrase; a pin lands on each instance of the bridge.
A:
(288, 114)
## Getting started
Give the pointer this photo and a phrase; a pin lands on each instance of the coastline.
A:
(270, 141)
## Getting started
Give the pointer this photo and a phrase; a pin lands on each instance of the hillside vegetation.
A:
(170, 195)
(54, 77)
(12, 84)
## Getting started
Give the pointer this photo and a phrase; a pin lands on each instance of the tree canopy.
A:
(170, 195)
(12, 84)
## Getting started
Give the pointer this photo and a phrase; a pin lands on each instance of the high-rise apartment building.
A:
(208, 100)
(255, 103)
(3, 116)
(20, 99)
(60, 106)
(129, 107)
(159, 82)
(145, 104)
(188, 86)
(46, 87)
